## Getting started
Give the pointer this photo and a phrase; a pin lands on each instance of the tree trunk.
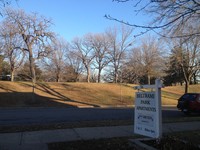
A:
(99, 76)
(195, 78)
(12, 75)
(187, 79)
(32, 70)
(115, 78)
(88, 74)
(58, 76)
(149, 79)
(116, 75)
(57, 79)
(186, 86)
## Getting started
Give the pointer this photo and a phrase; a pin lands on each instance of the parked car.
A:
(5, 77)
(189, 102)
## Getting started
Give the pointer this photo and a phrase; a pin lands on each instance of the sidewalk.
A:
(39, 139)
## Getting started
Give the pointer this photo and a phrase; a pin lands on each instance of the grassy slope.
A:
(77, 94)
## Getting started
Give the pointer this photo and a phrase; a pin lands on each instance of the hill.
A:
(19, 94)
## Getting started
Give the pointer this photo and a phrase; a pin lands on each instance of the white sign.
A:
(148, 113)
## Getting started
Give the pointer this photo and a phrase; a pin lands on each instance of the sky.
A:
(75, 18)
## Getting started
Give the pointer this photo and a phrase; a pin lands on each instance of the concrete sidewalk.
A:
(39, 139)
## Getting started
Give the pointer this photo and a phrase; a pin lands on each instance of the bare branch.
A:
(169, 14)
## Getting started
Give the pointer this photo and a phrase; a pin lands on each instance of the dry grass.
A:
(64, 94)
(170, 94)
(77, 94)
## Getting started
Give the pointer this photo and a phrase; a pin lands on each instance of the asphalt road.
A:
(30, 116)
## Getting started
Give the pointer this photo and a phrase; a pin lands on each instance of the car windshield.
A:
(190, 97)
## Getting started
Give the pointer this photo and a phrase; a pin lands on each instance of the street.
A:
(31, 116)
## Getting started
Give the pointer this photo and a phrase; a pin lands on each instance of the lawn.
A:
(19, 94)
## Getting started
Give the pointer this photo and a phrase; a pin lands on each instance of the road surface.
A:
(31, 116)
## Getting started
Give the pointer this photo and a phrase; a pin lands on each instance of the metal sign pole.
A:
(159, 107)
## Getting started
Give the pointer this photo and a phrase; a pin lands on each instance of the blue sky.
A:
(74, 18)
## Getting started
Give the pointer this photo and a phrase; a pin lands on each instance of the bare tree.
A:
(55, 63)
(74, 66)
(10, 42)
(188, 56)
(1, 64)
(119, 42)
(151, 51)
(34, 32)
(83, 49)
(172, 15)
(100, 45)
(133, 70)
(144, 62)
(3, 4)
(6, 2)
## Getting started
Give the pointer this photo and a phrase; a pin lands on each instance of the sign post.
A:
(148, 113)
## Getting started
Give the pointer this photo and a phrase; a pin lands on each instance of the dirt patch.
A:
(172, 142)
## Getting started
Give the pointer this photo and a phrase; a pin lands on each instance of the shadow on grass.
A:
(52, 98)
(6, 89)
(47, 89)
(22, 99)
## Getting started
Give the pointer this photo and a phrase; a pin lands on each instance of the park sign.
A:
(148, 115)
(145, 114)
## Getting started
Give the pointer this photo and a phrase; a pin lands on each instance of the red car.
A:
(189, 102)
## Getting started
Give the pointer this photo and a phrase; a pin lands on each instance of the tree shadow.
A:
(51, 95)
(6, 89)
(47, 89)
(23, 99)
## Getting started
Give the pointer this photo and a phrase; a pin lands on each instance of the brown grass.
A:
(19, 94)
(64, 94)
